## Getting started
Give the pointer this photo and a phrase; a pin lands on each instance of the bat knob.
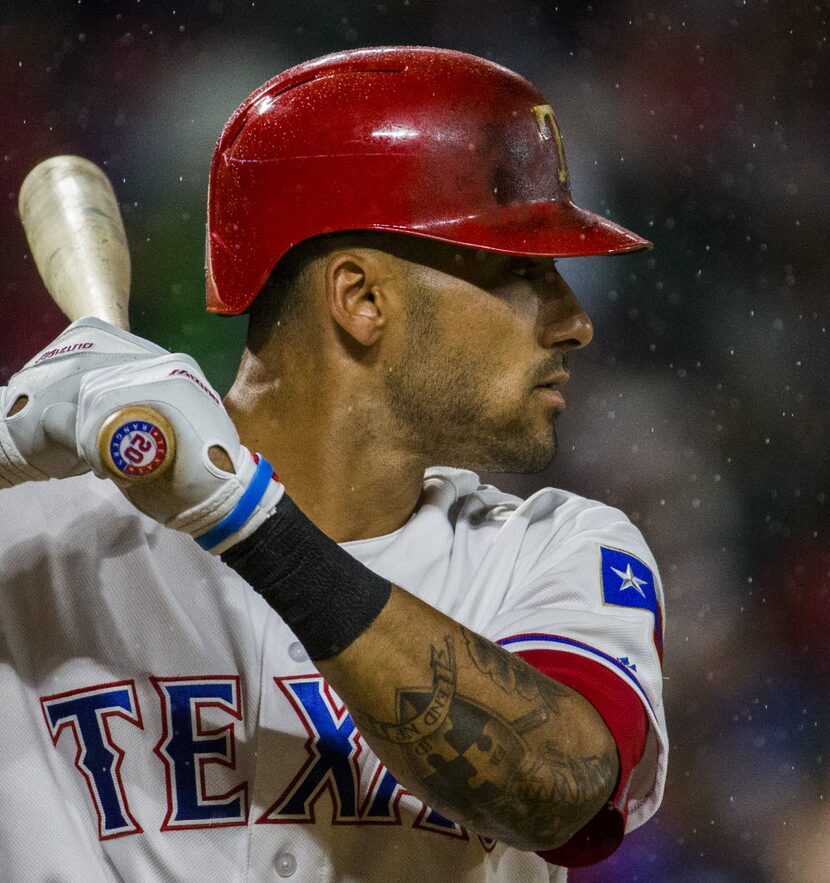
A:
(136, 443)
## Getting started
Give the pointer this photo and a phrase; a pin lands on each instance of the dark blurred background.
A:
(698, 409)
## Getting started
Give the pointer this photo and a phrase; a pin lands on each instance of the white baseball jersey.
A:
(160, 722)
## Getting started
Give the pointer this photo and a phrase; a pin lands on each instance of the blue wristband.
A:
(243, 510)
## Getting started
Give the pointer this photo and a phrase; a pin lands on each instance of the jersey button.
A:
(286, 864)
(297, 652)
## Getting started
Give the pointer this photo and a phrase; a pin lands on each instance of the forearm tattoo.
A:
(499, 776)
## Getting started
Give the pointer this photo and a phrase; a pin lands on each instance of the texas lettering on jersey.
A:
(187, 747)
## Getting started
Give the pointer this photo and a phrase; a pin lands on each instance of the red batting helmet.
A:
(426, 142)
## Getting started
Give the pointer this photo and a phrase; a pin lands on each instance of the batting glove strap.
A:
(235, 510)
(245, 507)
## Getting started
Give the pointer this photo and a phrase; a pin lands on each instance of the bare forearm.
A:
(466, 726)
(471, 729)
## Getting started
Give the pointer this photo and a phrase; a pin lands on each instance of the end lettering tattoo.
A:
(422, 722)
(499, 776)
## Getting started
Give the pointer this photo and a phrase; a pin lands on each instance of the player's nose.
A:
(563, 322)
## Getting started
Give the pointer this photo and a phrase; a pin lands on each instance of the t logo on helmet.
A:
(548, 128)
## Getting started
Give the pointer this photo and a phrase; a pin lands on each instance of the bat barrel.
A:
(72, 221)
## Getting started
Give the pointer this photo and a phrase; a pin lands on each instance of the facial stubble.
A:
(450, 406)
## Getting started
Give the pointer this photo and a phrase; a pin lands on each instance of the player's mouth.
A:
(551, 396)
(547, 389)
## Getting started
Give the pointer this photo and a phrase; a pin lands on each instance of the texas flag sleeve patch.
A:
(629, 582)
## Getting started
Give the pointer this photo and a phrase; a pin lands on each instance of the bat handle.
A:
(136, 443)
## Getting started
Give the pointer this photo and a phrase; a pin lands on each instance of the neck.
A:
(332, 445)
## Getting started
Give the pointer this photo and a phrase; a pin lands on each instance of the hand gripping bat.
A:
(72, 221)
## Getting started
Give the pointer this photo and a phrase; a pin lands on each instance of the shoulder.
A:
(550, 516)
(554, 534)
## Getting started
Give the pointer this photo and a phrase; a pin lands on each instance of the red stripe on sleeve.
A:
(625, 717)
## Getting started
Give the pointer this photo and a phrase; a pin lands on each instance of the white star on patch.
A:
(629, 581)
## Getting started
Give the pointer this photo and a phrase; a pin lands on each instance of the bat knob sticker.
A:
(136, 444)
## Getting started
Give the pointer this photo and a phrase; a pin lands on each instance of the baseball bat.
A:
(73, 224)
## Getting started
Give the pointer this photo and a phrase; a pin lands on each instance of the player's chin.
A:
(527, 453)
(536, 458)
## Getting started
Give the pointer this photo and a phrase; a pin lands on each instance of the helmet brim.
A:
(555, 229)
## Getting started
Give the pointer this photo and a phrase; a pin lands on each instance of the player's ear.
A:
(356, 293)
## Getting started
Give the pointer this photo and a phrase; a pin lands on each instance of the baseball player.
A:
(305, 650)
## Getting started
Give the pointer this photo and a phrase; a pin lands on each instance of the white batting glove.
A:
(218, 508)
(38, 441)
